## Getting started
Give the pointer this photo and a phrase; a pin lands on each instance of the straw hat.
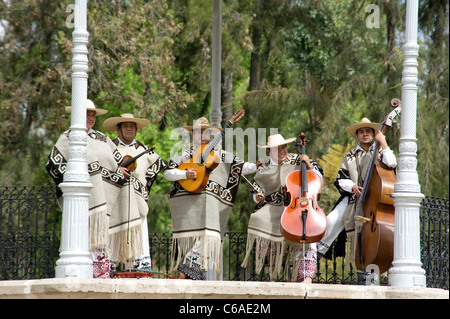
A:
(352, 129)
(111, 123)
(276, 140)
(90, 106)
(201, 123)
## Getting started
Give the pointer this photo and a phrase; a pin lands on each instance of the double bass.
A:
(303, 221)
(375, 209)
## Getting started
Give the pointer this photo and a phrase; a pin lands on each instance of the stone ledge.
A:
(74, 288)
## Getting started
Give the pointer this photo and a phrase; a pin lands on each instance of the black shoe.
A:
(362, 277)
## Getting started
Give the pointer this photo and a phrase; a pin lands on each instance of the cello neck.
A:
(304, 184)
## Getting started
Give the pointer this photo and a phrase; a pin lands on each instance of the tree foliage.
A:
(312, 66)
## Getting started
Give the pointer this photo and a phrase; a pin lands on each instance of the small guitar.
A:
(204, 161)
(130, 162)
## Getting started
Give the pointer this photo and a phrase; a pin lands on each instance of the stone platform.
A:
(151, 288)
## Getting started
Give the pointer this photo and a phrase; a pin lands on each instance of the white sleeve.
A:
(389, 158)
(174, 174)
(346, 185)
(248, 168)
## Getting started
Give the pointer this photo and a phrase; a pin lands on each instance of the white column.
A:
(75, 259)
(406, 268)
(215, 115)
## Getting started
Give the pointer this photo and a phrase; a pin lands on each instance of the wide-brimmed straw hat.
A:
(90, 106)
(352, 129)
(201, 123)
(276, 140)
(111, 123)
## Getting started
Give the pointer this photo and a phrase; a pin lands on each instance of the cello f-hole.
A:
(295, 203)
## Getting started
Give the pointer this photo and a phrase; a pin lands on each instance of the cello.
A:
(303, 221)
(375, 209)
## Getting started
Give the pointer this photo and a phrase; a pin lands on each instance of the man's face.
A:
(127, 132)
(278, 154)
(90, 119)
(365, 135)
(202, 136)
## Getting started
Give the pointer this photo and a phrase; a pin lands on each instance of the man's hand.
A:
(191, 173)
(379, 136)
(259, 197)
(125, 171)
(305, 158)
(357, 190)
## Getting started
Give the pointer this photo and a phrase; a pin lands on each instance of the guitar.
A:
(204, 160)
(130, 162)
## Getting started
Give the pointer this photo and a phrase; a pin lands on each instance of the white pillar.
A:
(215, 115)
(406, 268)
(75, 259)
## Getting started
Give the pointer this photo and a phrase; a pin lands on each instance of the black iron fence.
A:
(434, 241)
(29, 232)
(30, 222)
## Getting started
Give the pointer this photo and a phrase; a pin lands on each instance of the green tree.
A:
(433, 103)
(311, 66)
(32, 90)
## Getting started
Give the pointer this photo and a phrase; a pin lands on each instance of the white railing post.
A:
(75, 259)
(406, 268)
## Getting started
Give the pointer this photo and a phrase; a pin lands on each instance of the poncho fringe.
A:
(98, 231)
(130, 243)
(211, 247)
(276, 253)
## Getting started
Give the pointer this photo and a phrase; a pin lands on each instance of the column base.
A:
(71, 271)
(407, 274)
(74, 264)
(75, 259)
(407, 268)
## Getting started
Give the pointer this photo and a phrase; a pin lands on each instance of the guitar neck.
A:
(216, 140)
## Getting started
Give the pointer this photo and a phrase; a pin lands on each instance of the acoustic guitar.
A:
(204, 160)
